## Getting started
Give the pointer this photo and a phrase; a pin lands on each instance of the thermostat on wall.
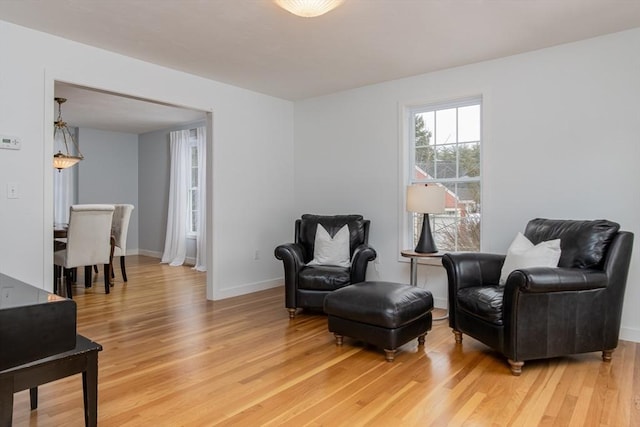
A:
(10, 142)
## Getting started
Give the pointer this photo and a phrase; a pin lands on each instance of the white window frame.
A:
(407, 161)
(193, 141)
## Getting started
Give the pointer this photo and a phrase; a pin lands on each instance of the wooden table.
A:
(82, 359)
(415, 256)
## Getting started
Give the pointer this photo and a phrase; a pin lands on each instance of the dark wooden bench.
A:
(82, 359)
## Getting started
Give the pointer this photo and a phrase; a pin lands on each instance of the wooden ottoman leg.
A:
(389, 355)
(606, 355)
(458, 336)
(339, 339)
(292, 313)
(421, 339)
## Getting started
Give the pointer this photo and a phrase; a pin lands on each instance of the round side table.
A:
(414, 257)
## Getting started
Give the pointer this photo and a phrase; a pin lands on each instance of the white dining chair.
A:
(88, 244)
(119, 230)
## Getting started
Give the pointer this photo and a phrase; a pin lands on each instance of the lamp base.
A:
(426, 245)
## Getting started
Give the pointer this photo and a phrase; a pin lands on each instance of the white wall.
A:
(252, 156)
(109, 173)
(561, 140)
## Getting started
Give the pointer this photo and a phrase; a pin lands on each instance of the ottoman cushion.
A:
(384, 304)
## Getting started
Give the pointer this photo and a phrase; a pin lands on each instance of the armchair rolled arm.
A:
(292, 255)
(466, 269)
(359, 261)
(547, 279)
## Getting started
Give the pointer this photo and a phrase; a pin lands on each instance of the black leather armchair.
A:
(545, 312)
(307, 285)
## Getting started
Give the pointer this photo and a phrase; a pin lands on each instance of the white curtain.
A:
(175, 245)
(201, 238)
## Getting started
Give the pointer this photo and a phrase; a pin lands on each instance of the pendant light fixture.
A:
(309, 8)
(61, 132)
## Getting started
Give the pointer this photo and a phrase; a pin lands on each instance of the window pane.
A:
(445, 163)
(194, 177)
(194, 221)
(469, 158)
(194, 156)
(194, 200)
(469, 123)
(446, 126)
(458, 229)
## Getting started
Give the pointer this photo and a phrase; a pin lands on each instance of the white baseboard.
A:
(247, 288)
(153, 254)
(630, 334)
(440, 303)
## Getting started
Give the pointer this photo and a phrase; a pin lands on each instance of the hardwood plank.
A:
(172, 358)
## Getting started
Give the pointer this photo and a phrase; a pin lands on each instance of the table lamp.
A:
(425, 200)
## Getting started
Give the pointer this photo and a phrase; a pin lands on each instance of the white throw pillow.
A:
(523, 254)
(329, 250)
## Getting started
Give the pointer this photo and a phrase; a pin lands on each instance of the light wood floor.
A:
(171, 358)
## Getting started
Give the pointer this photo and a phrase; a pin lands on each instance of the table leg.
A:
(414, 272)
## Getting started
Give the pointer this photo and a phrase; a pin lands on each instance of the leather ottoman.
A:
(383, 314)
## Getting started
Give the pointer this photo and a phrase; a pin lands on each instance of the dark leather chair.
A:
(307, 285)
(544, 312)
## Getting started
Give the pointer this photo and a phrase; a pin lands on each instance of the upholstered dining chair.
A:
(88, 244)
(119, 230)
(311, 267)
(572, 305)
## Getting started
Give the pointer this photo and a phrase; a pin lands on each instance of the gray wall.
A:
(153, 181)
(109, 173)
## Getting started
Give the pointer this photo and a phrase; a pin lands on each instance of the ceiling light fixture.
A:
(309, 8)
(61, 131)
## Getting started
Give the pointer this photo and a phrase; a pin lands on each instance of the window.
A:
(193, 184)
(444, 142)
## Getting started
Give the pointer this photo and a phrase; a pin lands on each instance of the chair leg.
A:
(95, 269)
(421, 339)
(68, 281)
(57, 270)
(107, 280)
(87, 276)
(516, 367)
(124, 271)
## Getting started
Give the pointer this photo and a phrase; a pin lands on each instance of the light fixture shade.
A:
(309, 8)
(63, 161)
(426, 199)
(62, 134)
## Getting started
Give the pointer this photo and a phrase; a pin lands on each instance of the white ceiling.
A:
(106, 111)
(256, 45)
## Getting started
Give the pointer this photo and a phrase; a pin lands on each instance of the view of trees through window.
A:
(193, 185)
(445, 150)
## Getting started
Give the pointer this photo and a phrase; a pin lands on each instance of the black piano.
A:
(39, 344)
(33, 323)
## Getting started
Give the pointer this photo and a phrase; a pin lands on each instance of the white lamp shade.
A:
(309, 8)
(426, 199)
